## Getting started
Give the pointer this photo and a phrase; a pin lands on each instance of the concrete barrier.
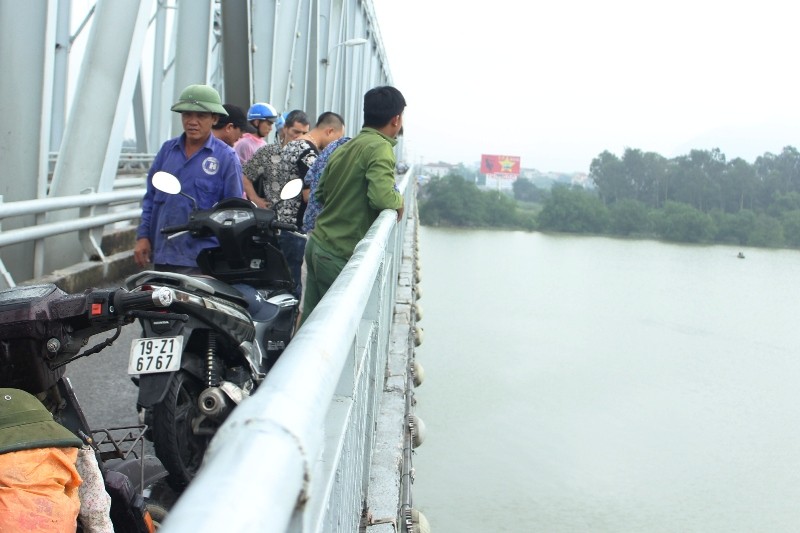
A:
(117, 247)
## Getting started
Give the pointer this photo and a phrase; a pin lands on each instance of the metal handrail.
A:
(298, 447)
(46, 205)
(52, 229)
(126, 159)
(87, 221)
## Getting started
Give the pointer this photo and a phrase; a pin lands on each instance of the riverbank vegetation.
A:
(699, 198)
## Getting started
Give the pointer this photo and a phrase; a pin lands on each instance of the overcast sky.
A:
(558, 82)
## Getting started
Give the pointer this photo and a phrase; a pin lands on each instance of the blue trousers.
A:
(293, 248)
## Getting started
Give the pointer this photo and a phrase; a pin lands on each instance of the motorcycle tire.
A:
(176, 445)
(157, 514)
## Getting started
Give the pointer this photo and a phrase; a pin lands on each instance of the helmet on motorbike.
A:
(262, 111)
(25, 423)
(200, 98)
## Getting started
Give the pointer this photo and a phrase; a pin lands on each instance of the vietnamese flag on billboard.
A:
(500, 164)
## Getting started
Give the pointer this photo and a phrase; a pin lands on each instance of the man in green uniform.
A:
(357, 184)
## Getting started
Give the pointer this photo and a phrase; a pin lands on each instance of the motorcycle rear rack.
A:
(119, 442)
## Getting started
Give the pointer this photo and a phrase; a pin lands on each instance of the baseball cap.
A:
(236, 117)
(25, 424)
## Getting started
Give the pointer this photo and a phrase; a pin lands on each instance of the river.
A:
(589, 384)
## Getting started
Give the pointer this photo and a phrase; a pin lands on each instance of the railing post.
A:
(89, 237)
(3, 270)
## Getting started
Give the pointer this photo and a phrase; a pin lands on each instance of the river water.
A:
(588, 384)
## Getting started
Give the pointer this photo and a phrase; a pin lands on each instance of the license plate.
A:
(157, 354)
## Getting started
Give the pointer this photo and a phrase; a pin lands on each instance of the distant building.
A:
(582, 179)
(437, 169)
(546, 180)
(530, 174)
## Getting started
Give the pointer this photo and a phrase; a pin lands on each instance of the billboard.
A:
(500, 164)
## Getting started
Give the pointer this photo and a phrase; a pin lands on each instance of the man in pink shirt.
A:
(261, 116)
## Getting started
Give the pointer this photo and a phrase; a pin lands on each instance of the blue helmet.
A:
(261, 111)
(280, 121)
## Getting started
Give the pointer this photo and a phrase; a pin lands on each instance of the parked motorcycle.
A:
(42, 329)
(241, 315)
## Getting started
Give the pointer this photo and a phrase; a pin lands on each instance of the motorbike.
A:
(42, 329)
(241, 315)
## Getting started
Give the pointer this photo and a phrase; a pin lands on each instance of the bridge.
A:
(85, 93)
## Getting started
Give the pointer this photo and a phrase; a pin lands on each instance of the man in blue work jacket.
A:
(209, 171)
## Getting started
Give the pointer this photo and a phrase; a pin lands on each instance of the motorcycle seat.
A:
(259, 308)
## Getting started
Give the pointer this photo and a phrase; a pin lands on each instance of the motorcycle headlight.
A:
(229, 217)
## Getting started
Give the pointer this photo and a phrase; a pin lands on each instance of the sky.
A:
(559, 82)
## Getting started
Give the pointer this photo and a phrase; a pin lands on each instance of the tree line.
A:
(698, 197)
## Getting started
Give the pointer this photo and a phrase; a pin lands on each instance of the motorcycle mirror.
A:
(166, 182)
(291, 189)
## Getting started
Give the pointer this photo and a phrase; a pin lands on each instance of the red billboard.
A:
(500, 164)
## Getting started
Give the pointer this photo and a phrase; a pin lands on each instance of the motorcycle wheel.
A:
(175, 443)
(157, 514)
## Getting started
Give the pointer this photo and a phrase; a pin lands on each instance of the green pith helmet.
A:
(26, 424)
(200, 98)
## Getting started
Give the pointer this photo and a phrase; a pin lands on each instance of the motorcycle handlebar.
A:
(166, 230)
(283, 225)
(142, 300)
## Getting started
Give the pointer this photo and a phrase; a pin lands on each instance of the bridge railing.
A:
(96, 210)
(295, 456)
(129, 162)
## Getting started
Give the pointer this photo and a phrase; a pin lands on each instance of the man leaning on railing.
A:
(366, 163)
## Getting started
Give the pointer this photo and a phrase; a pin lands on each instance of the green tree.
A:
(656, 168)
(638, 176)
(767, 231)
(573, 210)
(629, 217)
(733, 228)
(790, 220)
(501, 210)
(608, 175)
(681, 222)
(526, 191)
(777, 174)
(738, 185)
(784, 203)
(704, 171)
(646, 173)
(469, 174)
(452, 201)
